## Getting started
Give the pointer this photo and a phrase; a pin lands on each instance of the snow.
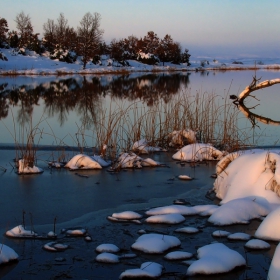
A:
(178, 255)
(109, 248)
(74, 232)
(252, 173)
(7, 254)
(257, 244)
(185, 177)
(142, 146)
(274, 269)
(147, 269)
(82, 161)
(22, 169)
(33, 64)
(177, 137)
(20, 232)
(180, 209)
(54, 247)
(127, 215)
(107, 258)
(187, 230)
(174, 218)
(240, 211)
(154, 243)
(220, 233)
(215, 258)
(269, 228)
(239, 236)
(198, 152)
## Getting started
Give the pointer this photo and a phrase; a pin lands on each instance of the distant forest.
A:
(62, 42)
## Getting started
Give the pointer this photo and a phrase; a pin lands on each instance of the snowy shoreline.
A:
(41, 65)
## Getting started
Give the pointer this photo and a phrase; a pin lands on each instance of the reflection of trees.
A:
(83, 94)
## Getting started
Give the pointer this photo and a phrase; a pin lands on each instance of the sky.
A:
(216, 28)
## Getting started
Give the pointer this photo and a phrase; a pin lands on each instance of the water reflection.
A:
(83, 94)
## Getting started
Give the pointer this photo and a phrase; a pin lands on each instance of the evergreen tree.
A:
(3, 31)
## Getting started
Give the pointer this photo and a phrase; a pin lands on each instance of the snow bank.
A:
(198, 152)
(215, 258)
(252, 173)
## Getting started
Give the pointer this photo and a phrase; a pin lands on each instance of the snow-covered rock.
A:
(82, 161)
(20, 232)
(7, 254)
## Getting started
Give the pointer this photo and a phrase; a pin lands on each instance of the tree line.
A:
(66, 43)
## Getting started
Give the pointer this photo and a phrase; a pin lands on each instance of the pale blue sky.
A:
(212, 28)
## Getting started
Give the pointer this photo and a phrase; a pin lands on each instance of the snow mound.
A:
(240, 211)
(127, 215)
(187, 230)
(269, 228)
(147, 270)
(220, 233)
(198, 152)
(205, 210)
(154, 243)
(178, 255)
(142, 146)
(55, 247)
(7, 254)
(257, 244)
(250, 173)
(177, 137)
(215, 258)
(274, 269)
(101, 160)
(82, 161)
(171, 209)
(174, 218)
(185, 177)
(239, 236)
(107, 258)
(20, 232)
(25, 169)
(108, 248)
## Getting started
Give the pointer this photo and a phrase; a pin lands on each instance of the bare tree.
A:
(89, 36)
(23, 22)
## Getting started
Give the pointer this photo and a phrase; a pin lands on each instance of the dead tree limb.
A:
(254, 86)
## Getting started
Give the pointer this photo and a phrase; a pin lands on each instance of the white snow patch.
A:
(154, 243)
(178, 255)
(127, 215)
(239, 236)
(257, 244)
(82, 161)
(23, 169)
(274, 269)
(187, 230)
(107, 247)
(20, 232)
(180, 209)
(107, 258)
(215, 258)
(7, 254)
(174, 218)
(220, 233)
(147, 269)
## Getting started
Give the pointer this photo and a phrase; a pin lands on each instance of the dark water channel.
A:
(62, 104)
